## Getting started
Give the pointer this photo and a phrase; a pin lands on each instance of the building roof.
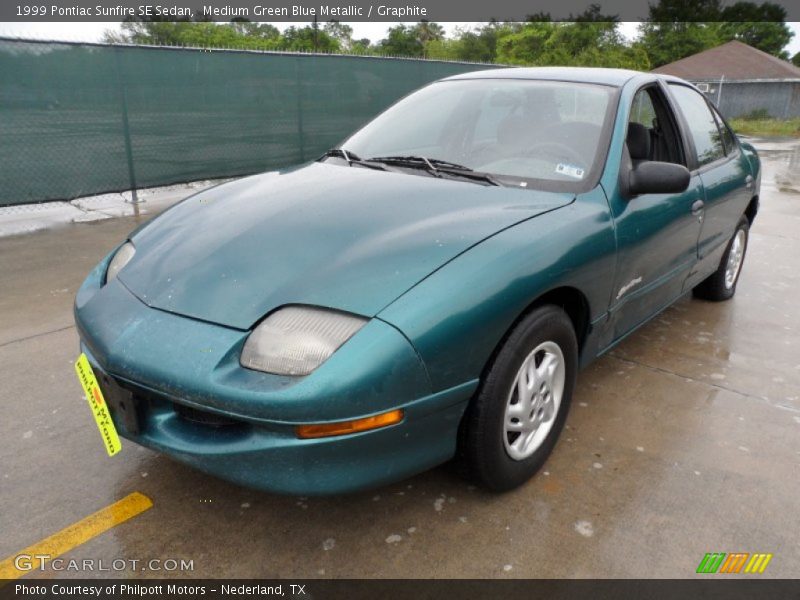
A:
(735, 60)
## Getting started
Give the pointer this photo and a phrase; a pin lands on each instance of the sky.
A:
(93, 32)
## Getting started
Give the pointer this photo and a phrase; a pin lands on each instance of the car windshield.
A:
(512, 129)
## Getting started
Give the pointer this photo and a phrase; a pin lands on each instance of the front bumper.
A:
(176, 366)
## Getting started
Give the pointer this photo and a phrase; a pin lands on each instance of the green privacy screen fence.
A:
(81, 119)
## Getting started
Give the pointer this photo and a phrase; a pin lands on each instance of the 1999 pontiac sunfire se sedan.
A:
(427, 290)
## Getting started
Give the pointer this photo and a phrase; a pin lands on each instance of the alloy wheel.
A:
(533, 400)
(735, 257)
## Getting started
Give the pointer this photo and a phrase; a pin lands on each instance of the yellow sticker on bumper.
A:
(97, 403)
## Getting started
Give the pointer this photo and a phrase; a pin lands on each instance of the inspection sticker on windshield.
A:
(569, 170)
(98, 405)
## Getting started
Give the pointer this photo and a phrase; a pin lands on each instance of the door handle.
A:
(697, 208)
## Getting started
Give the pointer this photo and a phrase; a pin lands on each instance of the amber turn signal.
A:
(319, 430)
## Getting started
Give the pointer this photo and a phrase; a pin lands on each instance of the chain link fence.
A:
(80, 119)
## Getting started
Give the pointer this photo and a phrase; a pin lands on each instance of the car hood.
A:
(348, 238)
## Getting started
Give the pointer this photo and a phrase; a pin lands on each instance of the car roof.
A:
(613, 77)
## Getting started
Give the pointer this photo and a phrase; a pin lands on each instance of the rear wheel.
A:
(514, 421)
(721, 285)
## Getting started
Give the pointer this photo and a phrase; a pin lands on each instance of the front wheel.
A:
(721, 284)
(513, 423)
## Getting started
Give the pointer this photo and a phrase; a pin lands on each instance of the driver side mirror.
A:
(656, 177)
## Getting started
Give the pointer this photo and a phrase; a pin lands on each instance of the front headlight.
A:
(120, 259)
(295, 340)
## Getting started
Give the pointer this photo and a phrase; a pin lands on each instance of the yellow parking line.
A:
(77, 533)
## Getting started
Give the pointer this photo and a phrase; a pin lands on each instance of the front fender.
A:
(457, 316)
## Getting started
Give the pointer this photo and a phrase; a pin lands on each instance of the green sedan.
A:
(426, 291)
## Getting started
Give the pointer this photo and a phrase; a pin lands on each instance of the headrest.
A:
(638, 141)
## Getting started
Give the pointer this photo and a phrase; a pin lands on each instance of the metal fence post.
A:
(300, 133)
(126, 129)
(787, 106)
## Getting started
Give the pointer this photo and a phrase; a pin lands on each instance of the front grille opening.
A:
(202, 417)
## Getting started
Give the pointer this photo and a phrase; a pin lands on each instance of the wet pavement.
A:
(684, 440)
(28, 218)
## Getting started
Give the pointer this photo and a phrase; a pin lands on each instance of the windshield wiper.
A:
(430, 163)
(352, 158)
(436, 167)
(470, 174)
(341, 153)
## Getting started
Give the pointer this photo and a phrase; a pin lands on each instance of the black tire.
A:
(715, 288)
(483, 455)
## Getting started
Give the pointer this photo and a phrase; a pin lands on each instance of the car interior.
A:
(652, 132)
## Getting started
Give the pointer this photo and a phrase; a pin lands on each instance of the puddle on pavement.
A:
(786, 154)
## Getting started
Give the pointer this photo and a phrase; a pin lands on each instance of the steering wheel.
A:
(560, 150)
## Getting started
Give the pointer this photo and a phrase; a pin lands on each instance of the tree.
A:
(539, 17)
(761, 26)
(428, 32)
(666, 42)
(796, 60)
(404, 40)
(593, 15)
(401, 40)
(263, 31)
(444, 49)
(676, 29)
(479, 45)
(579, 43)
(341, 33)
(309, 38)
(526, 45)
(154, 31)
(361, 46)
(240, 33)
(674, 11)
(589, 38)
